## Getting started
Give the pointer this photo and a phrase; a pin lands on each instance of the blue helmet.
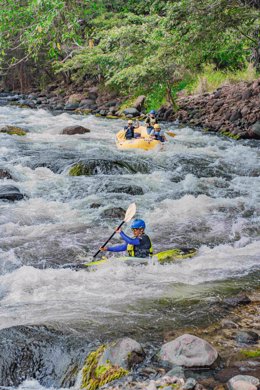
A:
(152, 112)
(138, 224)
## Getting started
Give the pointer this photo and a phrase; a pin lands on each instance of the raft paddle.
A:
(130, 212)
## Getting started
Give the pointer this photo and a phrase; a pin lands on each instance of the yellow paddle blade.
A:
(121, 135)
(130, 212)
(170, 133)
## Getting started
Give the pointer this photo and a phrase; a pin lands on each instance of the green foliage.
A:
(138, 44)
(250, 353)
(209, 79)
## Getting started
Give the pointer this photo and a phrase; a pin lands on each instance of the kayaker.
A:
(138, 246)
(150, 121)
(129, 130)
(157, 133)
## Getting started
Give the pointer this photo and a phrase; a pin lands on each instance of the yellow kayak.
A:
(144, 142)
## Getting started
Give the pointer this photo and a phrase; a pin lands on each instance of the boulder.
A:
(131, 111)
(114, 212)
(75, 98)
(4, 174)
(10, 193)
(188, 351)
(139, 103)
(12, 130)
(131, 190)
(243, 382)
(248, 337)
(71, 130)
(71, 106)
(254, 131)
(124, 352)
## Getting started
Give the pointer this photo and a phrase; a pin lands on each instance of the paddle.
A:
(170, 133)
(130, 212)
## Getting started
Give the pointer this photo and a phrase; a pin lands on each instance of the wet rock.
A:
(131, 190)
(131, 111)
(71, 130)
(71, 106)
(115, 212)
(4, 174)
(237, 300)
(188, 351)
(248, 337)
(108, 167)
(12, 130)
(95, 205)
(10, 193)
(254, 131)
(51, 357)
(124, 352)
(243, 382)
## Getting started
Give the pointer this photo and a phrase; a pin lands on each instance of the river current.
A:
(202, 190)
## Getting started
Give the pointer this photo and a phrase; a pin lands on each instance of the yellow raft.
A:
(144, 142)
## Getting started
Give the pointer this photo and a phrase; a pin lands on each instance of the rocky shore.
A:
(232, 110)
(225, 355)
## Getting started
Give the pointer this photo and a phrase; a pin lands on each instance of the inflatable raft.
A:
(165, 257)
(145, 142)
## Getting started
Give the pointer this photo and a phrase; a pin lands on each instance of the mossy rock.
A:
(230, 135)
(84, 111)
(13, 130)
(112, 117)
(95, 376)
(102, 166)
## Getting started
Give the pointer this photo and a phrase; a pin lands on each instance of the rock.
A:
(71, 130)
(124, 352)
(87, 103)
(189, 384)
(115, 212)
(75, 98)
(4, 174)
(12, 130)
(228, 324)
(131, 111)
(235, 116)
(106, 166)
(10, 193)
(139, 103)
(254, 131)
(248, 337)
(176, 371)
(71, 106)
(243, 382)
(237, 300)
(131, 190)
(188, 351)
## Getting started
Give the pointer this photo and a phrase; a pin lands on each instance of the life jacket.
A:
(144, 249)
(129, 132)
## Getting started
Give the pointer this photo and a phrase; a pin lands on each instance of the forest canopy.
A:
(126, 45)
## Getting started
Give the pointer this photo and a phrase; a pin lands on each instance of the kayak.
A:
(164, 257)
(145, 142)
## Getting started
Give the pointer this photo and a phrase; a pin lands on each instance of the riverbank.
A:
(235, 339)
(232, 110)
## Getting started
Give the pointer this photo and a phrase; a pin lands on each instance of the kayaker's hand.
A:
(103, 248)
(118, 230)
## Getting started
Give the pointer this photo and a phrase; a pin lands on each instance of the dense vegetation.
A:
(145, 46)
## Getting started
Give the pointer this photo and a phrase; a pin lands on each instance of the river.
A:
(201, 191)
